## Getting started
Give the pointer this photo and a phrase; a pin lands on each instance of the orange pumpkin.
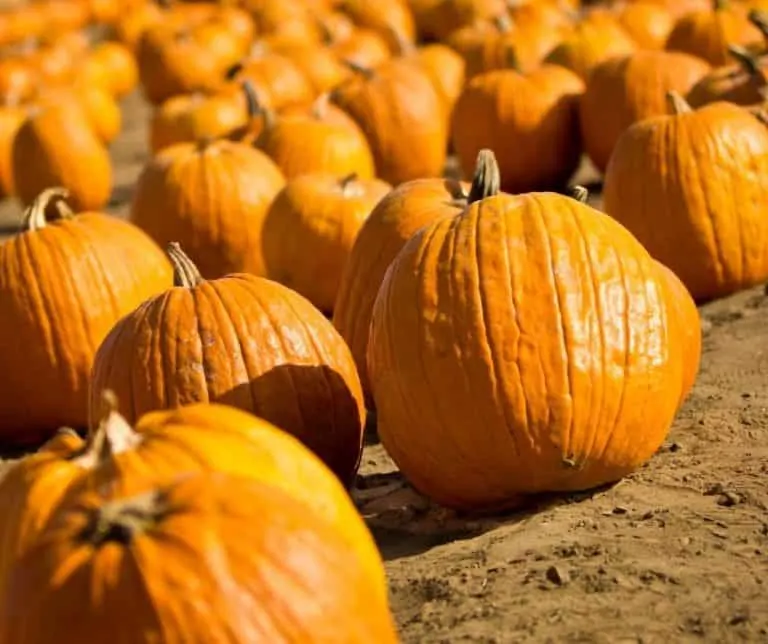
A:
(319, 65)
(392, 19)
(63, 285)
(290, 574)
(647, 23)
(18, 80)
(11, 119)
(242, 341)
(321, 139)
(445, 17)
(743, 82)
(396, 218)
(137, 19)
(518, 311)
(446, 70)
(310, 230)
(708, 33)
(397, 105)
(364, 48)
(57, 145)
(711, 233)
(212, 197)
(114, 65)
(531, 121)
(622, 91)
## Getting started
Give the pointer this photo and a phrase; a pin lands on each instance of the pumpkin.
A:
(57, 145)
(743, 82)
(137, 19)
(534, 353)
(647, 23)
(396, 106)
(115, 65)
(63, 285)
(11, 119)
(450, 15)
(364, 48)
(690, 186)
(446, 70)
(321, 139)
(212, 197)
(677, 8)
(591, 42)
(102, 111)
(392, 19)
(320, 66)
(530, 120)
(18, 81)
(196, 117)
(708, 33)
(288, 20)
(243, 341)
(396, 218)
(259, 565)
(622, 91)
(310, 229)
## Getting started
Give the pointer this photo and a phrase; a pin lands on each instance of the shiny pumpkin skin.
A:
(529, 120)
(243, 341)
(62, 288)
(622, 91)
(397, 106)
(691, 188)
(521, 347)
(211, 198)
(396, 218)
(253, 519)
(310, 230)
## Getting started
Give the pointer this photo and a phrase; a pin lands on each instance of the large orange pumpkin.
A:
(258, 558)
(520, 347)
(212, 197)
(691, 187)
(310, 229)
(243, 341)
(531, 122)
(65, 280)
(398, 108)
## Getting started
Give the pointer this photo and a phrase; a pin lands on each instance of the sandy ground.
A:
(678, 552)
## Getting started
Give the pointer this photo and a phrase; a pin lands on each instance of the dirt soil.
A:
(677, 552)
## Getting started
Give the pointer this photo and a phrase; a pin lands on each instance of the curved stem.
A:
(233, 71)
(487, 179)
(677, 104)
(185, 273)
(112, 436)
(356, 67)
(255, 107)
(122, 520)
(746, 60)
(760, 20)
(35, 216)
(503, 23)
(320, 106)
(347, 183)
(579, 193)
(403, 46)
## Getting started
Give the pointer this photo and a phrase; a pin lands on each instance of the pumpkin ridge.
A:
(207, 365)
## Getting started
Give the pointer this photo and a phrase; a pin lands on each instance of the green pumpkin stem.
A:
(487, 180)
(37, 213)
(579, 193)
(677, 104)
(185, 273)
(120, 521)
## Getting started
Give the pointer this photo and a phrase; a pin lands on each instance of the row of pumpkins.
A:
(510, 342)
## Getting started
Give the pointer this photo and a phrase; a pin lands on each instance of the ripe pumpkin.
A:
(11, 119)
(531, 121)
(711, 233)
(647, 23)
(743, 82)
(321, 139)
(319, 65)
(708, 33)
(114, 65)
(18, 80)
(243, 341)
(445, 68)
(57, 145)
(212, 197)
(260, 565)
(64, 282)
(364, 48)
(520, 310)
(392, 19)
(622, 91)
(445, 17)
(310, 229)
(396, 106)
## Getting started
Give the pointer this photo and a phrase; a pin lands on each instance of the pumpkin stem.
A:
(762, 116)
(403, 46)
(487, 180)
(233, 71)
(356, 67)
(579, 193)
(121, 521)
(677, 104)
(112, 436)
(320, 106)
(49, 201)
(185, 273)
(760, 20)
(347, 183)
(503, 23)
(746, 60)
(255, 107)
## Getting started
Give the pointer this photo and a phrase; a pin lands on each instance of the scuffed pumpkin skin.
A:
(521, 347)
(217, 558)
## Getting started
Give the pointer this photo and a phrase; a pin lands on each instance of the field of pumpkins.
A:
(356, 321)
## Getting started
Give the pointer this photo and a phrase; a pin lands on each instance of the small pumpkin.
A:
(57, 145)
(211, 196)
(64, 282)
(392, 19)
(743, 82)
(397, 107)
(520, 309)
(243, 341)
(708, 33)
(319, 64)
(310, 229)
(113, 64)
(672, 181)
(448, 16)
(647, 23)
(622, 91)
(530, 120)
(364, 48)
(282, 572)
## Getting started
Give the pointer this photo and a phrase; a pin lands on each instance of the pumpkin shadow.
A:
(405, 523)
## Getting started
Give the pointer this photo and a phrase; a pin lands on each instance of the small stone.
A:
(728, 499)
(558, 576)
(619, 510)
